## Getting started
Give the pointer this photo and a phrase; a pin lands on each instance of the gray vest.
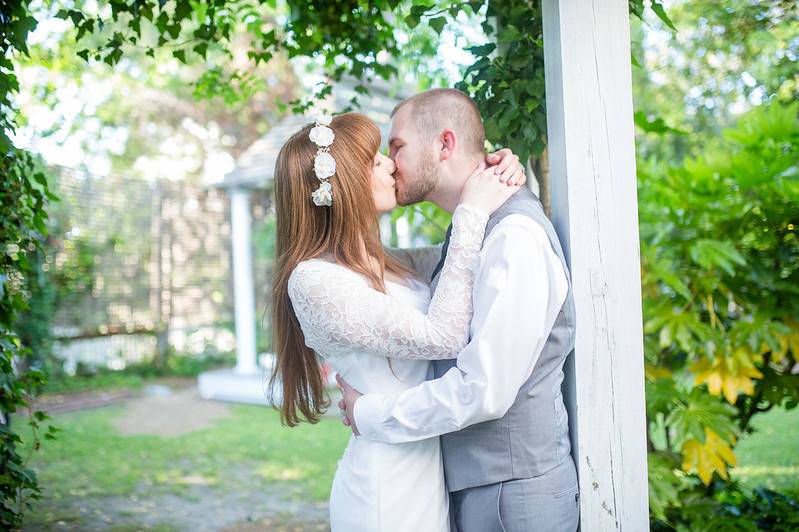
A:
(533, 436)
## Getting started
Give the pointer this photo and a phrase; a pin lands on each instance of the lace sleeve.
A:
(338, 312)
(422, 260)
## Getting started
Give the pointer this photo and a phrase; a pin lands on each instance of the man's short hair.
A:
(437, 109)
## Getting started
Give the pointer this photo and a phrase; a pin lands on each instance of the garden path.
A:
(165, 409)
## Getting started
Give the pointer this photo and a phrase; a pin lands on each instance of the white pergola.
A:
(594, 210)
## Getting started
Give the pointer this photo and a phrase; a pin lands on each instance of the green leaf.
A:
(173, 30)
(22, 27)
(438, 24)
(113, 56)
(416, 14)
(661, 397)
(661, 13)
(201, 49)
(709, 253)
(412, 20)
(76, 16)
(180, 55)
(182, 9)
(664, 485)
(509, 34)
(654, 125)
(698, 411)
(161, 22)
(483, 49)
(637, 8)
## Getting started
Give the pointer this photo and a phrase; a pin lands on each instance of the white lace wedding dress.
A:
(358, 330)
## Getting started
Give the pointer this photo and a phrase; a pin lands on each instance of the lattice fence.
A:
(144, 265)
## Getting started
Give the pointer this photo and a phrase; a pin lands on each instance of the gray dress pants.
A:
(546, 503)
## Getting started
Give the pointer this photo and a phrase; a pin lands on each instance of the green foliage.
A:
(23, 194)
(15, 24)
(764, 510)
(345, 39)
(134, 375)
(184, 365)
(106, 380)
(507, 78)
(426, 220)
(23, 190)
(34, 324)
(735, 509)
(720, 263)
(724, 58)
(718, 229)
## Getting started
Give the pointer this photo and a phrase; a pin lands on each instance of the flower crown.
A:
(324, 165)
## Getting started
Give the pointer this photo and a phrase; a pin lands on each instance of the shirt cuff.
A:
(366, 412)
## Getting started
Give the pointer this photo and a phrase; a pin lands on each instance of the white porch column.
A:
(243, 286)
(592, 170)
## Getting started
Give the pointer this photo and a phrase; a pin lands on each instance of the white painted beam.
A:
(592, 170)
(243, 285)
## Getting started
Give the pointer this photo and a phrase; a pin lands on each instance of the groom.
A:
(498, 408)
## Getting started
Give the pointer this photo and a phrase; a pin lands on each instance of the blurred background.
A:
(139, 239)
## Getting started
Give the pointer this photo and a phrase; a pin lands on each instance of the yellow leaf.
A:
(794, 341)
(728, 375)
(787, 341)
(655, 372)
(779, 355)
(712, 456)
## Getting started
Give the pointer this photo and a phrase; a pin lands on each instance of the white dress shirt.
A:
(519, 289)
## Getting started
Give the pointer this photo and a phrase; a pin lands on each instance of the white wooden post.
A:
(592, 171)
(243, 286)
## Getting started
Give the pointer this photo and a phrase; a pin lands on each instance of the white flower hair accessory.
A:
(323, 195)
(324, 165)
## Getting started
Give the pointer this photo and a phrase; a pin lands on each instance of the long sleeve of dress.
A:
(339, 312)
(520, 289)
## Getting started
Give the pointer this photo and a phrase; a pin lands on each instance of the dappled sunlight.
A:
(243, 460)
(143, 229)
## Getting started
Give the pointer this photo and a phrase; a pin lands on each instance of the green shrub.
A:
(720, 267)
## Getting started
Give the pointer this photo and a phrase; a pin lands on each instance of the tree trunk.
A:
(540, 169)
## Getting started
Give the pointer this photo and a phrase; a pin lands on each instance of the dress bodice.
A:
(369, 372)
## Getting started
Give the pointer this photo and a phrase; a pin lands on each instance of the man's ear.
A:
(448, 141)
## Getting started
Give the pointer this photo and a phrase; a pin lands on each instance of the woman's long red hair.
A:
(348, 230)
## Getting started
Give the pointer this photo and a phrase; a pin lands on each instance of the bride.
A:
(339, 295)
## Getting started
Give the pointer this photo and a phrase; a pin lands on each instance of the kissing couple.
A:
(450, 358)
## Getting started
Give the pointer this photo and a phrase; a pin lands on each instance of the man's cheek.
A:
(399, 162)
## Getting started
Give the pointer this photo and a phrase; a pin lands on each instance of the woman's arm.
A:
(339, 313)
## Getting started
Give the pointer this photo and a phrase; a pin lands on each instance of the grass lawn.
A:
(770, 455)
(103, 381)
(248, 452)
